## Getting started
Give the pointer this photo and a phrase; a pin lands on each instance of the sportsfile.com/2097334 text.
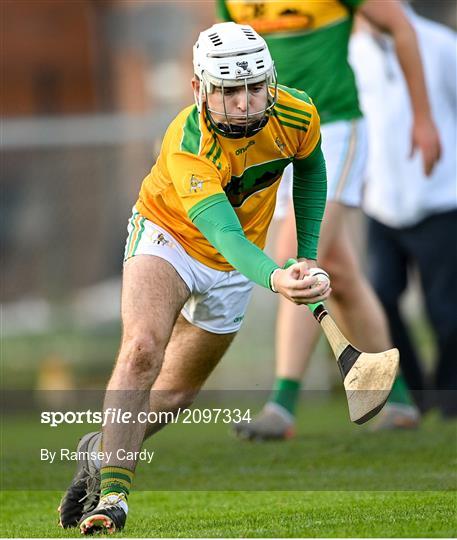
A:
(119, 416)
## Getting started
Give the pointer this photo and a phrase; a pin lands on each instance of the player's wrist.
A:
(311, 263)
(422, 118)
(272, 284)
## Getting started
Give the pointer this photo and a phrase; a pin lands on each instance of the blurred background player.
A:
(309, 42)
(195, 248)
(416, 226)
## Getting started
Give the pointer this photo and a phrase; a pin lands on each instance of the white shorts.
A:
(218, 300)
(345, 148)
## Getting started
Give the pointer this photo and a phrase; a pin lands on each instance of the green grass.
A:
(251, 514)
(334, 479)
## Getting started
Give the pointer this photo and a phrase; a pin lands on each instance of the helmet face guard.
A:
(230, 55)
(237, 126)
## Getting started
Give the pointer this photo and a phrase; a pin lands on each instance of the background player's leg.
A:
(388, 270)
(353, 301)
(356, 308)
(296, 336)
(354, 304)
(190, 357)
(437, 263)
(290, 352)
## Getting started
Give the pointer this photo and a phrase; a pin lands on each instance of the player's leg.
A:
(433, 242)
(214, 310)
(190, 357)
(353, 301)
(389, 260)
(152, 297)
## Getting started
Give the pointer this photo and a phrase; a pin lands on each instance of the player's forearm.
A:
(220, 225)
(408, 54)
(391, 18)
(309, 197)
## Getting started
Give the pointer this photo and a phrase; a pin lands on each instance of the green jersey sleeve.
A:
(222, 13)
(353, 4)
(309, 197)
(218, 222)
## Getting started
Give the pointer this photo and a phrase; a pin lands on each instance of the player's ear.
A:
(195, 82)
(198, 94)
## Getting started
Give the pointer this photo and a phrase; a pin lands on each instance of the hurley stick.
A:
(367, 377)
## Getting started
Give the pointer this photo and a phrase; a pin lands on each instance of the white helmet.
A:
(228, 55)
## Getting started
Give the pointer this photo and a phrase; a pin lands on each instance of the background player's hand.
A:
(298, 286)
(425, 138)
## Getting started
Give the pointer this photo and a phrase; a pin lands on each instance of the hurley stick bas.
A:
(367, 377)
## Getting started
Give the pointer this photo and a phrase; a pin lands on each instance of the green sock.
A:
(286, 393)
(400, 392)
(115, 480)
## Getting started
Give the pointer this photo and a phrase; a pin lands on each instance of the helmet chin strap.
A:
(235, 131)
(238, 132)
(199, 96)
(227, 121)
(247, 102)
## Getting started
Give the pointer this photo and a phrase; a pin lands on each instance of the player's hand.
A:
(295, 284)
(425, 138)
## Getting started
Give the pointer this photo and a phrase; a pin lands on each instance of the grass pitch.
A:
(251, 514)
(334, 479)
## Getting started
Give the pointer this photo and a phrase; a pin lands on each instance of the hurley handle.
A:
(318, 310)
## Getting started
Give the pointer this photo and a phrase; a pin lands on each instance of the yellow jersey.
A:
(195, 162)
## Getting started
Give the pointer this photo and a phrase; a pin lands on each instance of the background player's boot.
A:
(399, 412)
(83, 493)
(272, 423)
(109, 515)
(397, 416)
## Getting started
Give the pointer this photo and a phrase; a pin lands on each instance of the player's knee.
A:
(142, 353)
(342, 281)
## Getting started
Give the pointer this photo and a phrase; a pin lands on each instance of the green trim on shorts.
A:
(140, 233)
(347, 159)
(135, 235)
(129, 238)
